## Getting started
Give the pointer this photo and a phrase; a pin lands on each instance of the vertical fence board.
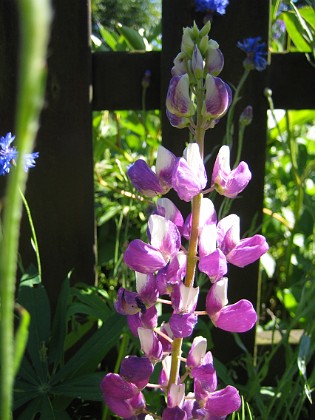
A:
(60, 188)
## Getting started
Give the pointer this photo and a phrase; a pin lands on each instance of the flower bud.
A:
(203, 45)
(205, 29)
(217, 98)
(246, 116)
(180, 65)
(187, 45)
(178, 100)
(197, 63)
(214, 59)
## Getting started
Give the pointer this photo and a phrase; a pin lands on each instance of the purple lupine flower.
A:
(176, 121)
(214, 60)
(226, 182)
(178, 100)
(128, 303)
(197, 63)
(217, 100)
(214, 265)
(174, 413)
(180, 65)
(239, 317)
(172, 273)
(189, 176)
(165, 243)
(219, 404)
(184, 301)
(256, 53)
(166, 208)
(8, 155)
(239, 252)
(175, 400)
(136, 370)
(121, 396)
(148, 182)
(147, 319)
(150, 344)
(182, 325)
(166, 329)
(197, 352)
(217, 6)
(144, 179)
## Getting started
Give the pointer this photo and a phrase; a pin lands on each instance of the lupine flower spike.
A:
(165, 264)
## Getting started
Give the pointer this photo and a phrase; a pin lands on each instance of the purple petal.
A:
(217, 297)
(118, 406)
(174, 413)
(176, 121)
(164, 236)
(144, 179)
(146, 287)
(239, 317)
(214, 59)
(165, 162)
(176, 395)
(136, 370)
(228, 233)
(223, 402)
(143, 257)
(172, 273)
(166, 208)
(185, 182)
(217, 98)
(145, 320)
(150, 345)
(178, 100)
(128, 303)
(184, 299)
(182, 325)
(214, 265)
(167, 345)
(205, 381)
(248, 250)
(197, 352)
(115, 386)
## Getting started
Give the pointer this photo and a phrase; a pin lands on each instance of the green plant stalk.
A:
(34, 236)
(34, 20)
(193, 241)
(228, 138)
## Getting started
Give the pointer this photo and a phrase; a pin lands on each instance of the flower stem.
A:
(228, 138)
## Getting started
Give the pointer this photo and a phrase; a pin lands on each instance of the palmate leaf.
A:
(86, 387)
(93, 351)
(35, 300)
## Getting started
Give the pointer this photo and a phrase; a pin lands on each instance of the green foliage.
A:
(63, 354)
(293, 27)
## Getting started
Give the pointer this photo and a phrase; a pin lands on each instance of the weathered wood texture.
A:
(60, 188)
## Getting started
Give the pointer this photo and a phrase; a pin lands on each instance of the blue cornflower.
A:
(218, 6)
(8, 155)
(256, 53)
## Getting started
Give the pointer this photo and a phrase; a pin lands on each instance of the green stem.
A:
(34, 237)
(228, 138)
(34, 20)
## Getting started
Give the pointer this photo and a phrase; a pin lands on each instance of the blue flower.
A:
(218, 6)
(8, 155)
(256, 53)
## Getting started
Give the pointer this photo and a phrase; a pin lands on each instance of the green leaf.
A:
(308, 14)
(35, 300)
(21, 336)
(86, 387)
(110, 37)
(295, 31)
(93, 351)
(59, 328)
(132, 37)
(299, 117)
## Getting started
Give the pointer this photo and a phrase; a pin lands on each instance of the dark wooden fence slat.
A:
(117, 78)
(60, 188)
(292, 81)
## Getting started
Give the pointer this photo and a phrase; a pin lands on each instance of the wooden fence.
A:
(60, 190)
